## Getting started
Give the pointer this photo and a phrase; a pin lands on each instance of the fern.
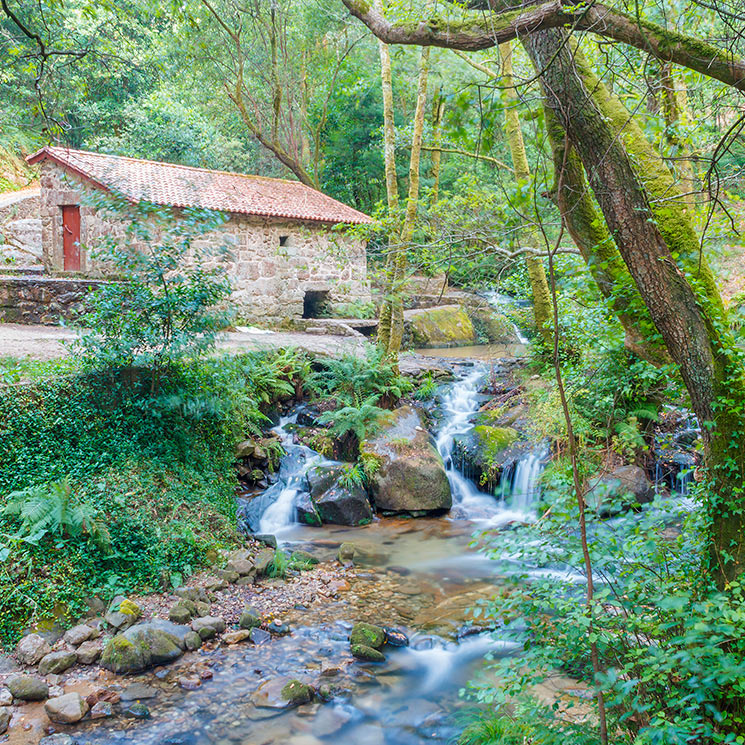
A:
(53, 509)
(362, 419)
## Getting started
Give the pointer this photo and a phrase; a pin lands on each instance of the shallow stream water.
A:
(418, 575)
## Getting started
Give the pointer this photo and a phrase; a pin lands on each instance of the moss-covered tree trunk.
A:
(536, 271)
(653, 237)
(391, 187)
(412, 200)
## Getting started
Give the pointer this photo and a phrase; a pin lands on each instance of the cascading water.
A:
(274, 510)
(460, 405)
(499, 302)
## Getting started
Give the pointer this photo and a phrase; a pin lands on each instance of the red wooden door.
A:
(71, 237)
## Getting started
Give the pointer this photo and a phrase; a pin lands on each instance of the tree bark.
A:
(391, 188)
(412, 200)
(542, 313)
(687, 312)
(438, 112)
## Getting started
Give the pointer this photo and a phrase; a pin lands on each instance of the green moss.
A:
(368, 635)
(493, 440)
(297, 693)
(446, 326)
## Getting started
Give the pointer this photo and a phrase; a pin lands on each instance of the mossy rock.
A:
(493, 440)
(363, 652)
(297, 693)
(249, 619)
(368, 635)
(303, 557)
(444, 326)
(140, 647)
(492, 327)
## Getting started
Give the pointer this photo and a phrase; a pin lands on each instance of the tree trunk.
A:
(542, 312)
(589, 232)
(438, 111)
(687, 311)
(407, 231)
(391, 188)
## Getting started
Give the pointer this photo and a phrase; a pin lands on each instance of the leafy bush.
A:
(671, 647)
(351, 379)
(169, 303)
(54, 509)
(157, 470)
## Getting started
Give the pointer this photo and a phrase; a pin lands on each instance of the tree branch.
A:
(504, 25)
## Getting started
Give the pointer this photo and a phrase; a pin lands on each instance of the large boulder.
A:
(624, 487)
(28, 688)
(57, 662)
(144, 645)
(332, 501)
(410, 476)
(444, 326)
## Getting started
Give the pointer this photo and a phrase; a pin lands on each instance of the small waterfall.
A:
(499, 301)
(275, 509)
(459, 405)
(525, 491)
(519, 482)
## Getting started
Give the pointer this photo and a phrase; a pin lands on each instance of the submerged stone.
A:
(369, 654)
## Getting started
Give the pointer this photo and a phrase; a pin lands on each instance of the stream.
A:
(419, 575)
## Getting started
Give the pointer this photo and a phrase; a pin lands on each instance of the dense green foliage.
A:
(155, 471)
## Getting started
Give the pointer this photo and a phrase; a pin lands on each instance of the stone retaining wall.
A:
(45, 300)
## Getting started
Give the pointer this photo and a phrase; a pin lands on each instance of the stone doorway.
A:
(315, 303)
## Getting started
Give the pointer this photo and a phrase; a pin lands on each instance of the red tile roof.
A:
(185, 186)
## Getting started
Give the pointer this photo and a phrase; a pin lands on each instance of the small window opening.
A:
(315, 303)
(283, 240)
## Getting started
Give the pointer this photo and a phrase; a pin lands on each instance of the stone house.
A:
(285, 260)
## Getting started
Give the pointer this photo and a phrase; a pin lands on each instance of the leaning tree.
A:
(596, 141)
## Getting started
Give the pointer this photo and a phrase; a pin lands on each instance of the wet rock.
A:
(366, 734)
(28, 688)
(278, 628)
(627, 485)
(31, 649)
(5, 717)
(208, 626)
(363, 652)
(140, 647)
(236, 637)
(296, 693)
(136, 711)
(6, 697)
(411, 476)
(67, 709)
(260, 636)
(122, 613)
(329, 720)
(306, 511)
(267, 539)
(192, 641)
(79, 634)
(303, 557)
(182, 612)
(102, 709)
(137, 692)
(346, 553)
(56, 663)
(59, 738)
(344, 505)
(189, 683)
(368, 635)
(395, 637)
(249, 619)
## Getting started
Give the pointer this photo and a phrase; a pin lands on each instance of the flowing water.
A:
(419, 575)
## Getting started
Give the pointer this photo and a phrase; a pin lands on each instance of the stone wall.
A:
(272, 263)
(47, 300)
(20, 229)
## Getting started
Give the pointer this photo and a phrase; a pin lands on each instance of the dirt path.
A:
(51, 342)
